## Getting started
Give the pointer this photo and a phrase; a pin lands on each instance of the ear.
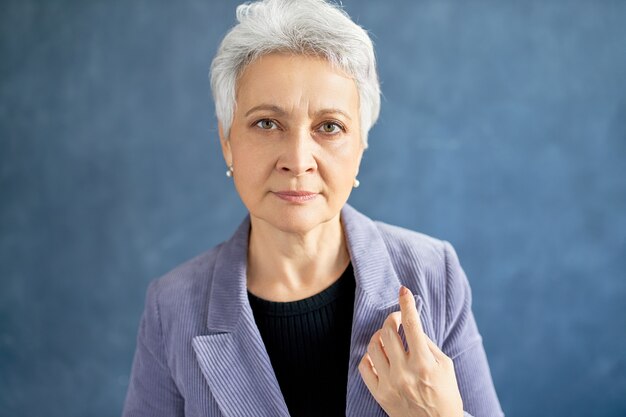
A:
(226, 151)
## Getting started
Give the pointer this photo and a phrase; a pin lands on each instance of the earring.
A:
(229, 172)
(356, 183)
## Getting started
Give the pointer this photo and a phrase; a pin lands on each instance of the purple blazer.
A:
(199, 352)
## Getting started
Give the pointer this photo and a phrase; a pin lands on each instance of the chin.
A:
(299, 223)
(297, 219)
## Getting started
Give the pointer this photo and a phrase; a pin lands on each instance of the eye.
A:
(266, 124)
(331, 128)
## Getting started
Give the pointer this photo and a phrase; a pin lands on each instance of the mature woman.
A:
(311, 308)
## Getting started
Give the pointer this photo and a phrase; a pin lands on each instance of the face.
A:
(295, 142)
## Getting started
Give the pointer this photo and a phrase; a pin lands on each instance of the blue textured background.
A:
(503, 130)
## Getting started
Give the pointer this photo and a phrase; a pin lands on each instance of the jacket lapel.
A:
(239, 373)
(377, 287)
(232, 355)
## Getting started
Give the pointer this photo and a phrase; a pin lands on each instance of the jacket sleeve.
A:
(463, 344)
(151, 390)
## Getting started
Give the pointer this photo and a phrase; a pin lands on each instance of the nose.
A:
(297, 156)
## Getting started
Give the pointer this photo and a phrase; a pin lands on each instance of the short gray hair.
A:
(304, 27)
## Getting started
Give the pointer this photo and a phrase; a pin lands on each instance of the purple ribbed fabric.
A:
(199, 352)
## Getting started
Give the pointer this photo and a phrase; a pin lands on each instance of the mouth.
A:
(296, 196)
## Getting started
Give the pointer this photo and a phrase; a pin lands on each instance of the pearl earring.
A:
(229, 172)
(356, 183)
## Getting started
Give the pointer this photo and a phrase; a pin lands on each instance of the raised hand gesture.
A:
(417, 383)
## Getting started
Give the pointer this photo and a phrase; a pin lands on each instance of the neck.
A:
(285, 266)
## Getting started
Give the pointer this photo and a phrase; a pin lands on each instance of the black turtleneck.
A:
(308, 342)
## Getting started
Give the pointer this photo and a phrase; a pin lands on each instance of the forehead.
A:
(294, 81)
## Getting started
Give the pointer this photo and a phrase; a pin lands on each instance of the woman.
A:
(299, 313)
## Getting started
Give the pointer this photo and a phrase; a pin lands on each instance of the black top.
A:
(308, 342)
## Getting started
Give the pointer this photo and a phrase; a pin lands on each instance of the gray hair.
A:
(304, 27)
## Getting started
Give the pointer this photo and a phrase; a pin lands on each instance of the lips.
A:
(296, 196)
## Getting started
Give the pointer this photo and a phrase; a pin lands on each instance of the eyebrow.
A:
(269, 107)
(280, 111)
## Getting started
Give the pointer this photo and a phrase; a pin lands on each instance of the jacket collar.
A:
(232, 355)
(373, 270)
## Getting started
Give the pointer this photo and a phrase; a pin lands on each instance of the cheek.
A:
(350, 161)
(341, 169)
(252, 166)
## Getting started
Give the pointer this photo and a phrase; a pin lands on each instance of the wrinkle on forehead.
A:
(297, 89)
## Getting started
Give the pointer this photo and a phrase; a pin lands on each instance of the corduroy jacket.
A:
(200, 354)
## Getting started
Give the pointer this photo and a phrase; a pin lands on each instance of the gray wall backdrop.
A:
(503, 130)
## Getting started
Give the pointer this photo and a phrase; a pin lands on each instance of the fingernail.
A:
(403, 290)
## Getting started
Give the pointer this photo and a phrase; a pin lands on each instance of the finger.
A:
(438, 354)
(377, 355)
(368, 373)
(413, 332)
(394, 349)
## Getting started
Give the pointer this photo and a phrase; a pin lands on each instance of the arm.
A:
(152, 390)
(463, 344)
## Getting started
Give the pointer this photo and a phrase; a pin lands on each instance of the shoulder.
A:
(402, 242)
(181, 293)
(417, 251)
(188, 276)
(430, 267)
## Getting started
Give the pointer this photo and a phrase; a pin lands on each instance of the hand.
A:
(417, 383)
